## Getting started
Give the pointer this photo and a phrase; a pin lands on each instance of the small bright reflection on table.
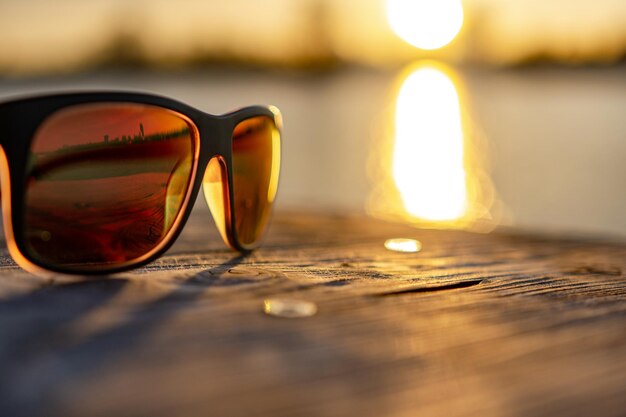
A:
(289, 308)
(403, 245)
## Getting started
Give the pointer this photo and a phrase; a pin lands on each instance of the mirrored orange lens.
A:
(105, 183)
(256, 165)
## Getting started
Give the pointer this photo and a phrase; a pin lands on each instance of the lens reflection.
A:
(105, 183)
(256, 165)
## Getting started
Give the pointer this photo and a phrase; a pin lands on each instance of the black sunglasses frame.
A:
(20, 119)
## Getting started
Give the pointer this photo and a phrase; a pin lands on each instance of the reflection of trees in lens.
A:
(117, 141)
(54, 165)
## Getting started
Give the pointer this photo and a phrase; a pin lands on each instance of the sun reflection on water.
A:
(428, 153)
(431, 171)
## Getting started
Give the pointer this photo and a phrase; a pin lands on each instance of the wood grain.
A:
(491, 325)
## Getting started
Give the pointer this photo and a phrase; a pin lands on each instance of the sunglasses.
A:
(104, 182)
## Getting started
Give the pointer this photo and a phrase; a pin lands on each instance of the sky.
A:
(40, 36)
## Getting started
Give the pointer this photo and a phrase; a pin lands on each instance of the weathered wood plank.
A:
(499, 324)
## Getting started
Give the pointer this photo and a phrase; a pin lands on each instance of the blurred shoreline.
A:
(553, 136)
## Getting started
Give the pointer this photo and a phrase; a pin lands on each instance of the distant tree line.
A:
(138, 138)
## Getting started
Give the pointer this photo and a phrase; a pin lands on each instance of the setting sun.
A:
(425, 24)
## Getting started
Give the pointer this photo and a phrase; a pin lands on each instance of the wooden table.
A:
(501, 324)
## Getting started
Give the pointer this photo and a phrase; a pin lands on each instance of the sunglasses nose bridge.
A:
(215, 134)
(215, 150)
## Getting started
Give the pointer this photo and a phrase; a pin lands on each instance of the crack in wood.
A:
(431, 288)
